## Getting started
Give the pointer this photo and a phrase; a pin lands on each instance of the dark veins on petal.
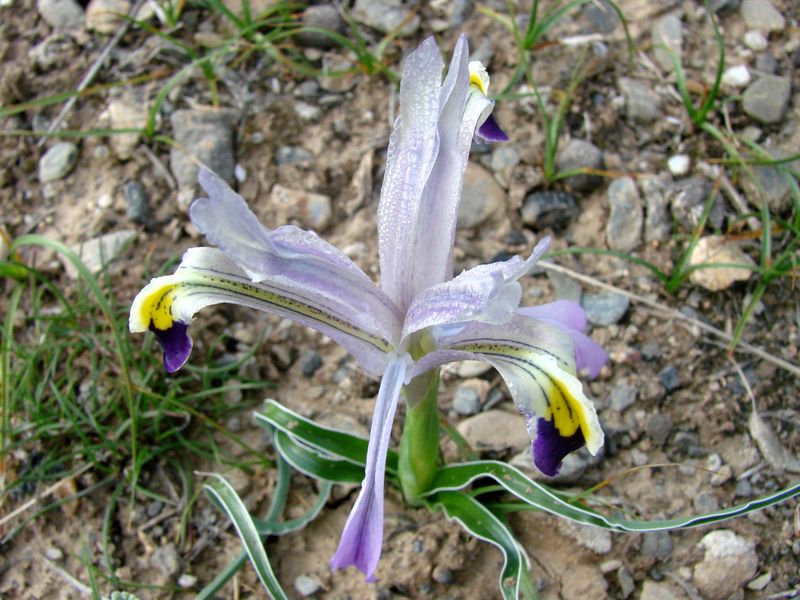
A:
(550, 447)
(176, 343)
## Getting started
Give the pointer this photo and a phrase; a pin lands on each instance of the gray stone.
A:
(767, 98)
(622, 395)
(466, 400)
(730, 561)
(766, 63)
(306, 111)
(605, 308)
(549, 208)
(323, 16)
(138, 203)
(591, 538)
(762, 15)
(57, 162)
(447, 15)
(723, 6)
(624, 227)
(657, 224)
(565, 287)
(657, 544)
(667, 38)
(53, 553)
(394, 16)
(602, 16)
(769, 184)
(687, 199)
(62, 15)
(310, 363)
(705, 502)
(642, 103)
(100, 251)
(495, 430)
(288, 155)
(668, 377)
(306, 585)
(208, 134)
(504, 158)
(166, 559)
(651, 351)
(313, 210)
(481, 198)
(126, 112)
(659, 427)
(625, 580)
(442, 575)
(580, 154)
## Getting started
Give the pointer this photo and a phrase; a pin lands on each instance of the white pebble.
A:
(53, 553)
(240, 173)
(736, 77)
(105, 201)
(755, 40)
(187, 581)
(306, 586)
(678, 165)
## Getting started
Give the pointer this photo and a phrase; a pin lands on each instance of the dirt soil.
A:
(682, 445)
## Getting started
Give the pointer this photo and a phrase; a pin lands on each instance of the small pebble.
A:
(442, 575)
(311, 362)
(187, 581)
(467, 400)
(240, 173)
(57, 162)
(679, 164)
(306, 585)
(668, 377)
(736, 77)
(53, 553)
(138, 202)
(755, 40)
(604, 309)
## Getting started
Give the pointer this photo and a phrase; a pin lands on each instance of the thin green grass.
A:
(77, 389)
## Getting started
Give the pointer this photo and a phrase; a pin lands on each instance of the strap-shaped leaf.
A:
(330, 441)
(485, 525)
(457, 477)
(226, 496)
(313, 464)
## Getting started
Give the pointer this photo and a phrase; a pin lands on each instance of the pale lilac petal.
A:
(571, 318)
(296, 260)
(486, 293)
(413, 147)
(206, 276)
(362, 538)
(535, 359)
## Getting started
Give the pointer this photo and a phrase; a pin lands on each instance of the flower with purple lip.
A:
(420, 317)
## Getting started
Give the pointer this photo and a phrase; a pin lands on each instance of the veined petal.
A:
(362, 538)
(571, 319)
(412, 152)
(486, 293)
(207, 276)
(536, 360)
(290, 257)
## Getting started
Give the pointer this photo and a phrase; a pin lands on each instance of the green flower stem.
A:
(419, 446)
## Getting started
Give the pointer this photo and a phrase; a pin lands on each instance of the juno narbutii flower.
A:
(420, 317)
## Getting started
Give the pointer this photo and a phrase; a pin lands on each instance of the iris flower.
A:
(421, 316)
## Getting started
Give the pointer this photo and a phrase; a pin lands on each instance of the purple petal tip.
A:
(176, 343)
(490, 131)
(549, 448)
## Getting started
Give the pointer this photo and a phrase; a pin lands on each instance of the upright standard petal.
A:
(413, 148)
(536, 360)
(207, 276)
(571, 319)
(486, 293)
(362, 538)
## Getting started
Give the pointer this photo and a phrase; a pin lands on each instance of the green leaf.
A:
(536, 495)
(328, 441)
(313, 464)
(485, 525)
(227, 498)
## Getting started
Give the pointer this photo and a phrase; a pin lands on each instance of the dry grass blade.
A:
(674, 314)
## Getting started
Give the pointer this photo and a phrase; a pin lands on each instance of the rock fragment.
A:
(767, 98)
(57, 162)
(624, 227)
(716, 250)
